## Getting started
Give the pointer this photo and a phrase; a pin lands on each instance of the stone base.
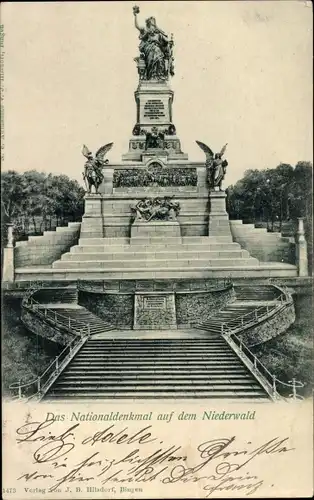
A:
(218, 220)
(154, 311)
(8, 265)
(153, 229)
(92, 221)
(264, 270)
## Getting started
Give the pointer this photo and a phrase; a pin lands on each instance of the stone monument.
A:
(156, 214)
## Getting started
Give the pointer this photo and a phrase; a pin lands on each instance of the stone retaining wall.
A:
(45, 329)
(270, 328)
(198, 307)
(116, 309)
(44, 250)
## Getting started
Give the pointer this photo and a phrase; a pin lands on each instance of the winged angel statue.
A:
(92, 174)
(216, 166)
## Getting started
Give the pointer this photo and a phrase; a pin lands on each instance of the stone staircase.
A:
(156, 368)
(155, 253)
(81, 315)
(264, 245)
(56, 295)
(256, 293)
(141, 258)
(62, 303)
(247, 300)
(231, 314)
(45, 249)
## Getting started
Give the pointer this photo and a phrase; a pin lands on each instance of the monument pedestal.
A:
(154, 110)
(155, 229)
(218, 220)
(92, 221)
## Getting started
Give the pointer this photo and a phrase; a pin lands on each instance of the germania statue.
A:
(156, 51)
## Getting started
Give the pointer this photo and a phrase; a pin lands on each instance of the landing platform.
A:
(261, 270)
(189, 333)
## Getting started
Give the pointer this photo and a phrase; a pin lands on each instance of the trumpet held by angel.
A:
(216, 165)
(92, 174)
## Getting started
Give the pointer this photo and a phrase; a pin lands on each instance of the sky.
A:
(243, 76)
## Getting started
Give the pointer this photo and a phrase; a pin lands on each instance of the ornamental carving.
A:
(155, 175)
(158, 208)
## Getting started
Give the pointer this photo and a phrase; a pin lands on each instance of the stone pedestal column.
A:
(218, 220)
(107, 184)
(8, 258)
(301, 250)
(92, 221)
(202, 179)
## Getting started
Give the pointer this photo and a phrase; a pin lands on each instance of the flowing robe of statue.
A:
(155, 50)
(152, 47)
(218, 171)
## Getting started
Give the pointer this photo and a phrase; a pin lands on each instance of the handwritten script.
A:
(116, 455)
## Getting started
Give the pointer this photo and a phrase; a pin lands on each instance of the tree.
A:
(273, 195)
(37, 199)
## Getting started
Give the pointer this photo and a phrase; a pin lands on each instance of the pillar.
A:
(106, 186)
(218, 220)
(92, 221)
(301, 250)
(8, 258)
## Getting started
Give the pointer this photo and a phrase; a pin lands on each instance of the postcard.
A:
(156, 216)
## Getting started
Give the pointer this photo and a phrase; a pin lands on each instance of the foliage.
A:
(291, 354)
(25, 356)
(139, 177)
(271, 195)
(275, 198)
(35, 201)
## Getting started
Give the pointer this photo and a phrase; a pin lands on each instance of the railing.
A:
(74, 326)
(276, 388)
(37, 387)
(274, 385)
(37, 285)
(153, 286)
(259, 314)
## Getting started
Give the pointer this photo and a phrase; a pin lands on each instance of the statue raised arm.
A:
(156, 54)
(136, 11)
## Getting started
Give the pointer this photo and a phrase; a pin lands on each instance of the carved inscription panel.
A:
(154, 109)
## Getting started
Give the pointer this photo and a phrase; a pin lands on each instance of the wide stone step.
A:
(152, 371)
(164, 246)
(188, 387)
(145, 379)
(155, 384)
(158, 355)
(231, 395)
(261, 270)
(155, 350)
(155, 264)
(154, 359)
(173, 373)
(160, 255)
(158, 239)
(138, 344)
(159, 363)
